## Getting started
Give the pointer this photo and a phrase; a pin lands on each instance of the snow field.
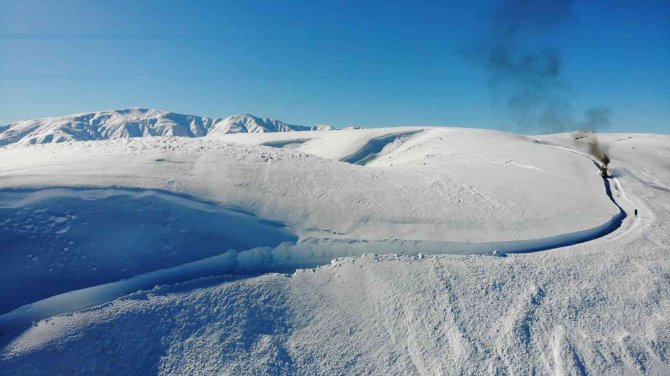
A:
(599, 307)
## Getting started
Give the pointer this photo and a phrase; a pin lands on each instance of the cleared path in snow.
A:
(290, 256)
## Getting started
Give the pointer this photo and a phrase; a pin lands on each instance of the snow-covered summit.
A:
(136, 122)
(246, 123)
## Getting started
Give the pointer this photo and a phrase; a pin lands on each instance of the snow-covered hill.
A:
(105, 222)
(136, 122)
(416, 189)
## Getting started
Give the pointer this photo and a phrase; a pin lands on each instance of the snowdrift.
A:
(57, 240)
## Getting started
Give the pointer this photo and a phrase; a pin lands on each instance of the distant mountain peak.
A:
(137, 122)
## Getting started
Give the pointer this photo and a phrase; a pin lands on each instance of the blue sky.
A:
(306, 62)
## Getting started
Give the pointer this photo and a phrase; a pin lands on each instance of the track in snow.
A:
(288, 257)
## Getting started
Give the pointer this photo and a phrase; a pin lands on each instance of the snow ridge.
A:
(137, 122)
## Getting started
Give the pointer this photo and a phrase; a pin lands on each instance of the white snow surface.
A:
(136, 122)
(442, 184)
(600, 307)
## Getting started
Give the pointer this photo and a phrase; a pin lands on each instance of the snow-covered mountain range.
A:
(137, 122)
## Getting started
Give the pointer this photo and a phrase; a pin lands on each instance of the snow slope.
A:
(420, 190)
(438, 184)
(595, 308)
(58, 240)
(136, 122)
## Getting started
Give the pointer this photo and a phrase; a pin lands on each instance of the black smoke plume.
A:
(594, 119)
(524, 70)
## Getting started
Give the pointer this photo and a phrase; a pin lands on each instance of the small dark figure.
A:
(636, 212)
